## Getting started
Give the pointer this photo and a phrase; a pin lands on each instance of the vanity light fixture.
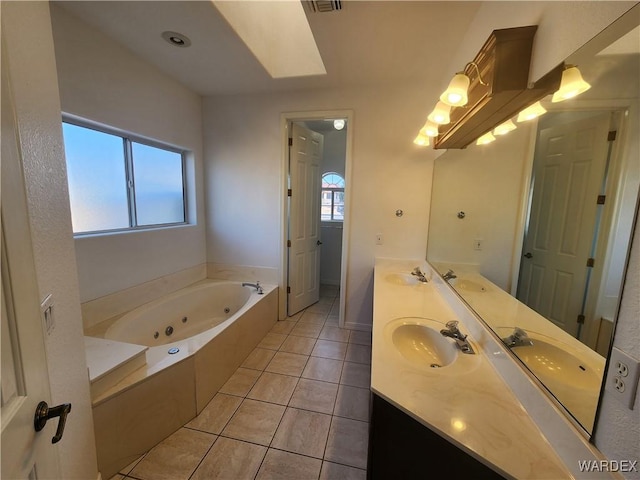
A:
(504, 128)
(486, 138)
(338, 123)
(571, 85)
(457, 93)
(440, 114)
(421, 140)
(430, 129)
(531, 112)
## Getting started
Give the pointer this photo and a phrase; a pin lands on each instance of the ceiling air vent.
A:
(322, 6)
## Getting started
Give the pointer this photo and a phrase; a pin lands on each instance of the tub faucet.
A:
(256, 285)
(461, 340)
(519, 338)
(449, 275)
(421, 278)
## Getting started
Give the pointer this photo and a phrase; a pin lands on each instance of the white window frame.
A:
(333, 191)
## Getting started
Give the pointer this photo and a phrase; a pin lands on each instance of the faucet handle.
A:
(452, 324)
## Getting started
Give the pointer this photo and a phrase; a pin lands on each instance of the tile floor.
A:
(297, 408)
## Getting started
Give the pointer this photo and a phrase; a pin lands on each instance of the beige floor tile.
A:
(307, 329)
(216, 414)
(353, 402)
(287, 363)
(240, 382)
(358, 353)
(295, 317)
(254, 422)
(348, 442)
(324, 369)
(356, 375)
(319, 307)
(360, 337)
(176, 457)
(329, 290)
(314, 395)
(129, 467)
(336, 334)
(284, 327)
(274, 388)
(272, 341)
(279, 465)
(332, 320)
(117, 476)
(329, 349)
(258, 359)
(334, 471)
(230, 460)
(295, 344)
(302, 432)
(313, 317)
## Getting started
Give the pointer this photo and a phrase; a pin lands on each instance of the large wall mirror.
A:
(536, 226)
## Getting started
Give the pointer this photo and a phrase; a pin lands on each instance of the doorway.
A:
(309, 260)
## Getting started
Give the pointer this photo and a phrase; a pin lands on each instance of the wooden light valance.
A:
(503, 63)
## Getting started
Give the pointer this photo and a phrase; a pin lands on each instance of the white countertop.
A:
(468, 402)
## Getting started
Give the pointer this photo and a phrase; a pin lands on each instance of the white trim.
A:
(285, 118)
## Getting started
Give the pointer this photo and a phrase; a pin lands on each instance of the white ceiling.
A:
(366, 43)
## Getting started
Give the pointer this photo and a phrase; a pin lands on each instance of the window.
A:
(118, 183)
(332, 205)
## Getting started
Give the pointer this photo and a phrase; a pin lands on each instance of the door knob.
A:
(528, 255)
(318, 242)
(44, 413)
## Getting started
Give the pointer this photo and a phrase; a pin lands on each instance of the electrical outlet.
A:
(622, 377)
(379, 239)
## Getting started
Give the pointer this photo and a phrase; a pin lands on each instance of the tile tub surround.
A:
(475, 411)
(156, 400)
(300, 425)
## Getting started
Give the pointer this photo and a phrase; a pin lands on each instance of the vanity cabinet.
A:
(403, 448)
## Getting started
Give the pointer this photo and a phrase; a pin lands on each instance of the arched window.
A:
(332, 206)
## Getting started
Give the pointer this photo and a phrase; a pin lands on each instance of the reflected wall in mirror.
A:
(540, 252)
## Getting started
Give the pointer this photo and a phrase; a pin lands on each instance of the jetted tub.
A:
(197, 337)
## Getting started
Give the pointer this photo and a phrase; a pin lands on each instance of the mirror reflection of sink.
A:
(419, 341)
(556, 365)
(468, 285)
(402, 279)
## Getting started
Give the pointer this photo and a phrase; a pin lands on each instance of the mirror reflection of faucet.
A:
(418, 273)
(449, 275)
(519, 338)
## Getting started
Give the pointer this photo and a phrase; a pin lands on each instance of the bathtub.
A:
(196, 338)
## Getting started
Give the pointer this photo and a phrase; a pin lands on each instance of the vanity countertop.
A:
(474, 409)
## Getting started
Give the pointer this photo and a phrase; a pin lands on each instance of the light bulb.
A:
(422, 140)
(440, 114)
(338, 124)
(531, 112)
(571, 85)
(486, 138)
(456, 94)
(504, 128)
(430, 129)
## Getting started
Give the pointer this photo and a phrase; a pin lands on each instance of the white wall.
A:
(243, 150)
(103, 82)
(32, 69)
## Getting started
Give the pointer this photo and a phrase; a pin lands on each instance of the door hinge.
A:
(611, 137)
(288, 243)
(288, 192)
(601, 199)
(591, 262)
(288, 289)
(291, 142)
(580, 319)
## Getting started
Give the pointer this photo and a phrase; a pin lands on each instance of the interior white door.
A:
(305, 155)
(569, 167)
(25, 453)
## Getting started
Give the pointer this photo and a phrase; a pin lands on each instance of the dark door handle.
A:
(318, 242)
(44, 413)
(528, 255)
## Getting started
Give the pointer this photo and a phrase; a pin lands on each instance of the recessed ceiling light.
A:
(177, 39)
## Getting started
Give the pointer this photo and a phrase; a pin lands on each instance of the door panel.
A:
(304, 219)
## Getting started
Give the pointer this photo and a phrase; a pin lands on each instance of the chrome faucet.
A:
(519, 338)
(449, 275)
(256, 285)
(421, 278)
(461, 340)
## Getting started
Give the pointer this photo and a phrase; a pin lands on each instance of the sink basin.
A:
(421, 343)
(469, 285)
(402, 279)
(553, 364)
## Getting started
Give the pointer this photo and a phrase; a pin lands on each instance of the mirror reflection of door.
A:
(569, 174)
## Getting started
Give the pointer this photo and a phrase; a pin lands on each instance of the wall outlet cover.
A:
(622, 377)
